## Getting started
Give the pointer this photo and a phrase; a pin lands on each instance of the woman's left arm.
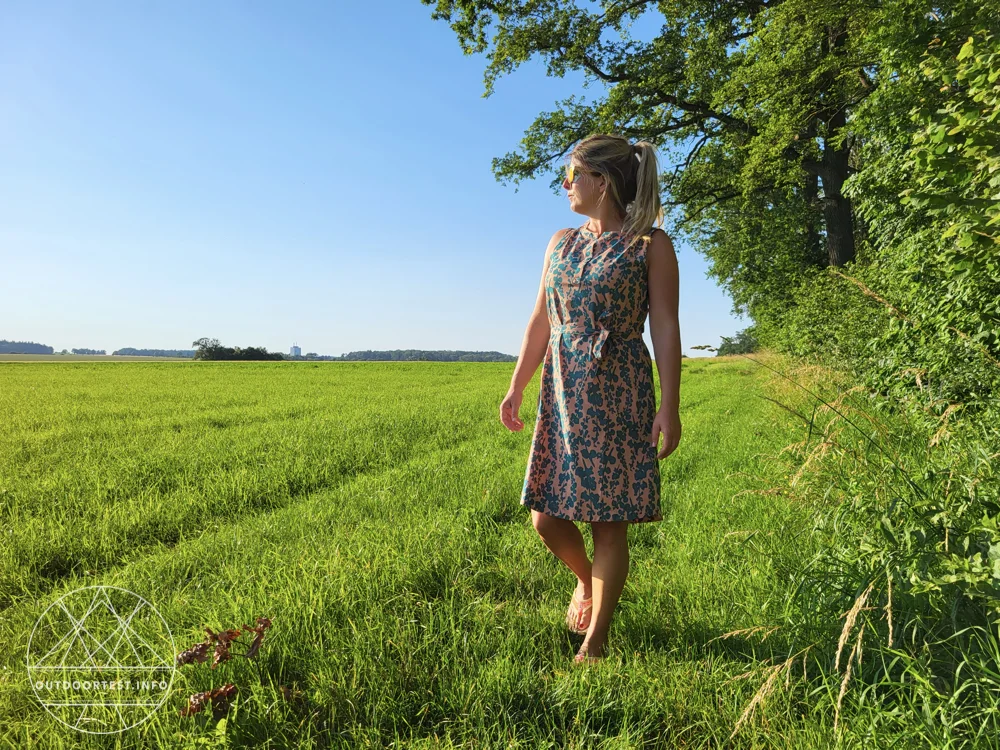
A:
(663, 279)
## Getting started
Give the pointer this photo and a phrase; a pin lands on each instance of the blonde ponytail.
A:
(646, 210)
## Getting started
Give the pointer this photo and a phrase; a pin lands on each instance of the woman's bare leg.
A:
(609, 571)
(565, 541)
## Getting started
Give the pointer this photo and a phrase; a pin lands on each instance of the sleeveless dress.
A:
(591, 458)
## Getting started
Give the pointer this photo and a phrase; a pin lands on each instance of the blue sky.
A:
(264, 173)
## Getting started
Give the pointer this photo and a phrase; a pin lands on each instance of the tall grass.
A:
(908, 555)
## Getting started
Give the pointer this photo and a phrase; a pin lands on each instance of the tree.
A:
(211, 349)
(754, 99)
(206, 348)
(742, 343)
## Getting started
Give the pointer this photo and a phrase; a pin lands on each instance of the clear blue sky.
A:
(264, 173)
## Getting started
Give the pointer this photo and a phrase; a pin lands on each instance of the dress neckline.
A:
(595, 234)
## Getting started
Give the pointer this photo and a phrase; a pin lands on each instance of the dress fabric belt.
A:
(598, 335)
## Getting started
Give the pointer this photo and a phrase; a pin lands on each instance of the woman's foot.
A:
(590, 651)
(580, 610)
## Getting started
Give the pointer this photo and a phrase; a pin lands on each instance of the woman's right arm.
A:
(536, 336)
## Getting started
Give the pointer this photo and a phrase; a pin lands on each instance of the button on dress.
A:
(591, 458)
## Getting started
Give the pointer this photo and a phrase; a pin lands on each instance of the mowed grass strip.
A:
(99, 465)
(413, 599)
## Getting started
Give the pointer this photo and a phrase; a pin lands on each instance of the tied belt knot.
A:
(598, 334)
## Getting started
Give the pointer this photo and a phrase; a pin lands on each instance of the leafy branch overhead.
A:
(753, 101)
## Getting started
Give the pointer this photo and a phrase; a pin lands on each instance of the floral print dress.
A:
(591, 458)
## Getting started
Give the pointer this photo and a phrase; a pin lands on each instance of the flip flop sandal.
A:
(577, 608)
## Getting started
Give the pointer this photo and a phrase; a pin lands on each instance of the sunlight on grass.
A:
(371, 512)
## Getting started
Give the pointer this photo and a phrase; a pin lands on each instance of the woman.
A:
(594, 452)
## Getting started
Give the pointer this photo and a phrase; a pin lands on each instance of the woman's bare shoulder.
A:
(659, 238)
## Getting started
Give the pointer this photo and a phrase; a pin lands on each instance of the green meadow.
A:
(371, 511)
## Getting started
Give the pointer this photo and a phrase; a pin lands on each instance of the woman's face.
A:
(585, 190)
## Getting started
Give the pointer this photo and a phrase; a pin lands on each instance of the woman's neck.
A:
(597, 226)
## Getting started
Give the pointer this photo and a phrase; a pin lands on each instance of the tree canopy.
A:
(764, 108)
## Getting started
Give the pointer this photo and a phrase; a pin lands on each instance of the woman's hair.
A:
(633, 177)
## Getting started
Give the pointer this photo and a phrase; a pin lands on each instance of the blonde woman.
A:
(594, 451)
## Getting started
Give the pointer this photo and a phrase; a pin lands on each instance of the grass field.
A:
(371, 511)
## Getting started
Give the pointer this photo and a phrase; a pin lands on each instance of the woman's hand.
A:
(668, 423)
(509, 407)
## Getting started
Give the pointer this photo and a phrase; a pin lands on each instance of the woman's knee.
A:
(610, 533)
(547, 525)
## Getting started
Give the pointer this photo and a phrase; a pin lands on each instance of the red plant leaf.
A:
(195, 703)
(263, 623)
(222, 641)
(221, 698)
(198, 653)
(226, 636)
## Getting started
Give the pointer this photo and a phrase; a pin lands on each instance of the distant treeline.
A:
(311, 357)
(133, 352)
(24, 347)
(212, 349)
(411, 355)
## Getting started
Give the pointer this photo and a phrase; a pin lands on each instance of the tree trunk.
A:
(837, 212)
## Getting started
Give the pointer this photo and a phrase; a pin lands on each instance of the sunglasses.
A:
(572, 174)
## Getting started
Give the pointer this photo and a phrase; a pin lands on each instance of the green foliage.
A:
(823, 322)
(956, 158)
(915, 323)
(211, 349)
(955, 169)
(933, 261)
(742, 343)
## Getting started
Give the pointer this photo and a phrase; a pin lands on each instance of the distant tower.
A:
(296, 350)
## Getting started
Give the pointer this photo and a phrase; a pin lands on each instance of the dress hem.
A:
(650, 519)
